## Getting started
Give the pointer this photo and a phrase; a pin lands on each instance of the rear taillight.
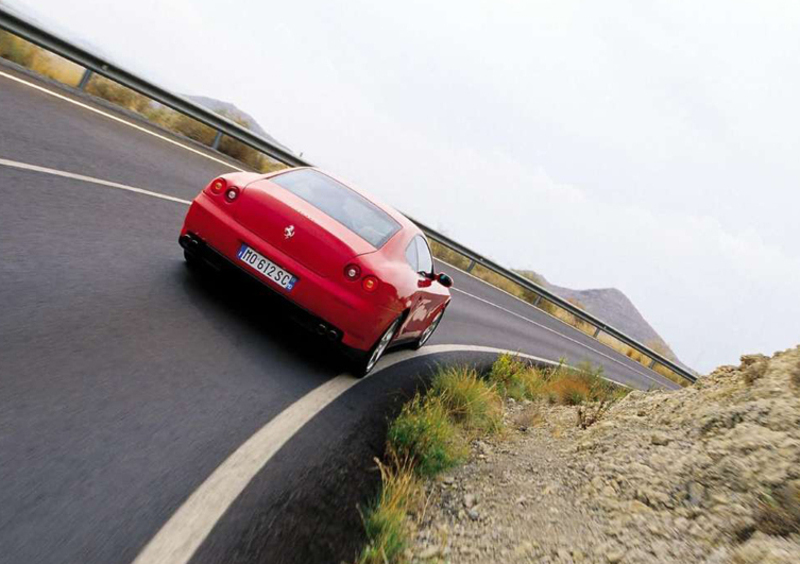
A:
(218, 186)
(352, 272)
(231, 193)
(369, 283)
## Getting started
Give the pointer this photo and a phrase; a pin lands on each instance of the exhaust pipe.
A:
(333, 335)
(188, 241)
(321, 329)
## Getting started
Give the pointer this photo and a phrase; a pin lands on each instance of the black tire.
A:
(426, 335)
(195, 263)
(364, 364)
(190, 259)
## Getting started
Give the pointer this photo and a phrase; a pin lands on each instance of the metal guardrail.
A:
(94, 64)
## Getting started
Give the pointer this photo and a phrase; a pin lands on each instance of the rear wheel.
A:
(426, 334)
(367, 362)
(190, 259)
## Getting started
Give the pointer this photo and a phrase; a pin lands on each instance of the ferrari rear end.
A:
(280, 229)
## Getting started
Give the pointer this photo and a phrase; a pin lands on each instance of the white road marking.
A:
(90, 179)
(118, 120)
(212, 158)
(185, 531)
(584, 345)
(180, 537)
(117, 185)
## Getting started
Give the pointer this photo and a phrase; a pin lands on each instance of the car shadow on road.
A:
(262, 314)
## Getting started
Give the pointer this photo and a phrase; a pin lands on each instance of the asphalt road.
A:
(125, 380)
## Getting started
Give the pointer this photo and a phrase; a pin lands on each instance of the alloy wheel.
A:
(381, 347)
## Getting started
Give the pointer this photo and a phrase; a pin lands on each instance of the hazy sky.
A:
(650, 146)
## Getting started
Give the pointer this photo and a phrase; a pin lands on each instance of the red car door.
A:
(429, 294)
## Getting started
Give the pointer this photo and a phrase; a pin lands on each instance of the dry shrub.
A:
(425, 434)
(569, 391)
(189, 127)
(28, 55)
(515, 378)
(669, 374)
(471, 402)
(567, 317)
(386, 520)
(115, 93)
(661, 348)
(642, 359)
(449, 256)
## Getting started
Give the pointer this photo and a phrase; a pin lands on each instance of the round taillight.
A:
(219, 185)
(232, 194)
(370, 283)
(352, 272)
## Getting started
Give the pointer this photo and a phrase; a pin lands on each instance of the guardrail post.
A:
(472, 264)
(652, 364)
(596, 332)
(537, 300)
(217, 139)
(87, 75)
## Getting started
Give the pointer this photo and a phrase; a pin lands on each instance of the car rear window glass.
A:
(346, 206)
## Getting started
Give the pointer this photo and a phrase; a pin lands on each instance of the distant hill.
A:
(230, 111)
(613, 307)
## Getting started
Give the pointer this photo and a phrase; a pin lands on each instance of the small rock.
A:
(429, 552)
(469, 501)
(615, 556)
(697, 492)
(523, 549)
(660, 439)
(608, 491)
(474, 515)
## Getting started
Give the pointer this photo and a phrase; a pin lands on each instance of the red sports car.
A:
(360, 272)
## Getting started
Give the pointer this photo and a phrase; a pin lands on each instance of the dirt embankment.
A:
(710, 473)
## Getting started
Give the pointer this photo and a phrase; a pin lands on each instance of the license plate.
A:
(262, 264)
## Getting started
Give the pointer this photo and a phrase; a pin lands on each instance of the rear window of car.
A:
(346, 206)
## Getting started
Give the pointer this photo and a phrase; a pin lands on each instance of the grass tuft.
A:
(430, 434)
(425, 434)
(385, 521)
(469, 399)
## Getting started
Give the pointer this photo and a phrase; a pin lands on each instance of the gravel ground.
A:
(708, 474)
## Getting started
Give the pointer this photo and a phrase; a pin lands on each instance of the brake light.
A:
(352, 272)
(232, 193)
(218, 186)
(369, 283)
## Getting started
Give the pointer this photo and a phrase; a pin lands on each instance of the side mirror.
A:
(444, 280)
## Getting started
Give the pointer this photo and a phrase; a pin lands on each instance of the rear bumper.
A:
(210, 232)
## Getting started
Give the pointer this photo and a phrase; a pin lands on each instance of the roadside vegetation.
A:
(434, 430)
(28, 55)
(451, 257)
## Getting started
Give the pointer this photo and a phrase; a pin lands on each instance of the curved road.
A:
(125, 381)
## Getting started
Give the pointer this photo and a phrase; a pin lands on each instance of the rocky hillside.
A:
(613, 307)
(710, 473)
